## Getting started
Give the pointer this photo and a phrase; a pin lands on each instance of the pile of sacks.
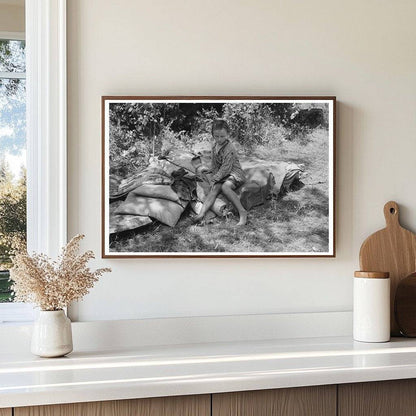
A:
(164, 189)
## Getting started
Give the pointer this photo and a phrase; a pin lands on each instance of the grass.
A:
(297, 222)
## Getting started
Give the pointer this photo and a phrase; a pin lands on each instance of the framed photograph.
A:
(218, 176)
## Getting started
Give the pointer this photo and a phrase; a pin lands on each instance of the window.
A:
(45, 27)
(12, 153)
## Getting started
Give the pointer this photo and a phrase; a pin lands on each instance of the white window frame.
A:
(12, 35)
(46, 127)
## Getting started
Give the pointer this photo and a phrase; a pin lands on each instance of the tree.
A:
(12, 56)
(12, 213)
(12, 96)
(12, 141)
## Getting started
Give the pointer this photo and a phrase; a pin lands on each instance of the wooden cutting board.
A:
(393, 250)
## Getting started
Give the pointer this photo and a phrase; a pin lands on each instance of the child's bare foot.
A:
(243, 219)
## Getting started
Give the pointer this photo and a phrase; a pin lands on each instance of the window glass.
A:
(12, 56)
(12, 156)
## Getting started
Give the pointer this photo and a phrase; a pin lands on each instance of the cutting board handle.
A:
(391, 213)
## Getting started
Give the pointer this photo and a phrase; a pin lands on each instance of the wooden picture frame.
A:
(157, 171)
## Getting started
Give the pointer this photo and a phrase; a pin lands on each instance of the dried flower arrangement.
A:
(53, 285)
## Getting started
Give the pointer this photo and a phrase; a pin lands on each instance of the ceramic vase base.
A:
(56, 351)
(52, 335)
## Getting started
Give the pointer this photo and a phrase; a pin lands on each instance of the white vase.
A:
(52, 334)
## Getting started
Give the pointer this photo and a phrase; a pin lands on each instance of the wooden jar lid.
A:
(372, 275)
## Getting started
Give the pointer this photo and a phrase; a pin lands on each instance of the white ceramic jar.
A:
(52, 334)
(371, 305)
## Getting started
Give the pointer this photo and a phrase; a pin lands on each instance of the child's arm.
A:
(214, 164)
(227, 165)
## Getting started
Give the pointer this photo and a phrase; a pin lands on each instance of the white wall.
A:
(363, 52)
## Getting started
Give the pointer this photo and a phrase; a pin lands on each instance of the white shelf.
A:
(150, 371)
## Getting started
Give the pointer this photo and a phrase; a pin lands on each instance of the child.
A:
(227, 172)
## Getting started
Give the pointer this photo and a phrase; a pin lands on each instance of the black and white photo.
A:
(218, 176)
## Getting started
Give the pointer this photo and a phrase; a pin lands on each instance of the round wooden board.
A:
(405, 306)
